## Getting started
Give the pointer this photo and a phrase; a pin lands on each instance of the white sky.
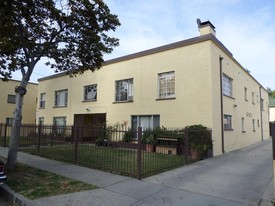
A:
(245, 27)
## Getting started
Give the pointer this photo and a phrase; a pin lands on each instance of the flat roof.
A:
(179, 44)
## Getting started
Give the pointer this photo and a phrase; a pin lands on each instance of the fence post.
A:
(1, 124)
(39, 139)
(139, 153)
(75, 151)
(186, 144)
(5, 134)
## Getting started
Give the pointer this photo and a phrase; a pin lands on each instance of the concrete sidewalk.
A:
(239, 178)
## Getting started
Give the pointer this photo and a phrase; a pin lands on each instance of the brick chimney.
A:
(206, 27)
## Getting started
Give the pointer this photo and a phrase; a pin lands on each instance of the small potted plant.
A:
(149, 139)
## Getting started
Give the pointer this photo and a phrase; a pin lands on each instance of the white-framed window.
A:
(59, 125)
(90, 92)
(41, 120)
(243, 127)
(262, 104)
(9, 120)
(227, 87)
(11, 98)
(253, 97)
(227, 122)
(166, 85)
(145, 121)
(61, 98)
(245, 94)
(124, 90)
(42, 102)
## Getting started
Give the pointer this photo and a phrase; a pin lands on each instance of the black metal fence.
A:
(114, 149)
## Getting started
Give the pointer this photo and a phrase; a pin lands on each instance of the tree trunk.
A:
(16, 125)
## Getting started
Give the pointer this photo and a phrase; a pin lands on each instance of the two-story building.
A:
(194, 81)
(7, 102)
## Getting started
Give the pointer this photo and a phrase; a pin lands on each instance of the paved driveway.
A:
(243, 176)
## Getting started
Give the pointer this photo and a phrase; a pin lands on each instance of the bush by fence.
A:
(114, 149)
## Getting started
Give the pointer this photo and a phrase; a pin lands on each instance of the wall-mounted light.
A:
(87, 109)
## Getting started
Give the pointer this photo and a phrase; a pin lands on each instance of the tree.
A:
(72, 34)
(271, 93)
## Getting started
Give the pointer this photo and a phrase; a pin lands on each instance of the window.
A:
(61, 98)
(59, 123)
(258, 123)
(145, 121)
(11, 98)
(41, 120)
(262, 104)
(124, 90)
(253, 124)
(243, 129)
(245, 94)
(9, 121)
(227, 122)
(166, 85)
(42, 100)
(227, 86)
(253, 98)
(90, 92)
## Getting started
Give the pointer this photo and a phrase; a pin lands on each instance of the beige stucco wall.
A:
(197, 99)
(177, 112)
(29, 105)
(237, 106)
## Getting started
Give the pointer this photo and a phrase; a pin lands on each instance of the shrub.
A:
(199, 138)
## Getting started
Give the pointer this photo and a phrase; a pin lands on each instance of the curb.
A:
(14, 197)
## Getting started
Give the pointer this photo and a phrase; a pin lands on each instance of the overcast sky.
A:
(245, 27)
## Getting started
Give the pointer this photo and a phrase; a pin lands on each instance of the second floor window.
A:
(166, 85)
(61, 98)
(42, 100)
(90, 92)
(124, 90)
(227, 86)
(11, 98)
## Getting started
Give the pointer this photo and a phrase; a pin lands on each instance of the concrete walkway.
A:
(242, 177)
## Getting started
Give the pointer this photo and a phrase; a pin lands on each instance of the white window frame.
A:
(243, 125)
(227, 122)
(90, 92)
(59, 125)
(253, 97)
(124, 90)
(42, 102)
(166, 85)
(11, 99)
(245, 94)
(145, 121)
(9, 121)
(61, 98)
(227, 86)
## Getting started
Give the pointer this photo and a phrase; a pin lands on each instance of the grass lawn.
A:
(36, 183)
(121, 161)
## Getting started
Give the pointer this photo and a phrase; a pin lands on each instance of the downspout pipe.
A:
(261, 113)
(221, 96)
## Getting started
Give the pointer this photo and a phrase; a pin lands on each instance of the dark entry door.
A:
(90, 119)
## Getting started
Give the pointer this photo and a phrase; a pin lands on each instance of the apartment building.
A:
(7, 102)
(194, 81)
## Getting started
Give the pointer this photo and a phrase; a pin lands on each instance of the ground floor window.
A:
(145, 121)
(59, 123)
(9, 120)
(41, 120)
(227, 121)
